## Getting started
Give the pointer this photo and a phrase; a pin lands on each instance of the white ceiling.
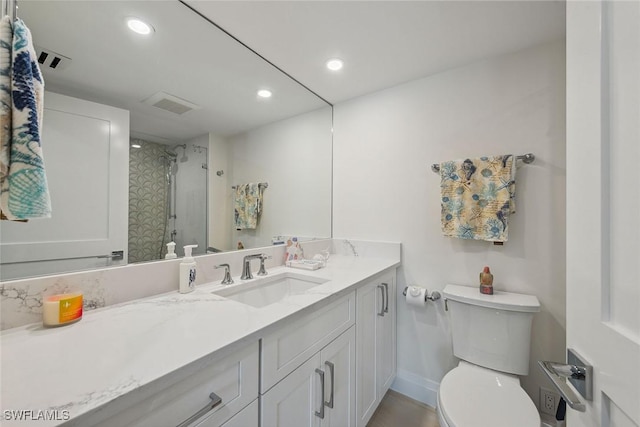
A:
(383, 43)
(186, 57)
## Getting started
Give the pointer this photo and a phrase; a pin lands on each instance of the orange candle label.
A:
(70, 308)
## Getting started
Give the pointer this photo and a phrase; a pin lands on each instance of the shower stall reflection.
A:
(167, 198)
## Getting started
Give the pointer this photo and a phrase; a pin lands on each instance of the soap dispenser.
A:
(171, 251)
(187, 271)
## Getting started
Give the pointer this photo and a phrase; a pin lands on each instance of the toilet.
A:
(491, 337)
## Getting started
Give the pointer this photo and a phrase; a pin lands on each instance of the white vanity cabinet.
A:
(308, 369)
(357, 368)
(233, 379)
(375, 343)
(319, 393)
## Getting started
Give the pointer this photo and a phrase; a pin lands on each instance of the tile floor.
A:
(397, 410)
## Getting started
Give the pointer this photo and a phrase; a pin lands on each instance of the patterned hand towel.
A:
(248, 205)
(6, 38)
(24, 193)
(477, 197)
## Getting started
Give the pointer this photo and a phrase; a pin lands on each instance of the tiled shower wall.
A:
(147, 201)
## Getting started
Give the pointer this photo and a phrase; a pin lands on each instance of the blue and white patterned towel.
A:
(248, 206)
(6, 39)
(24, 193)
(478, 195)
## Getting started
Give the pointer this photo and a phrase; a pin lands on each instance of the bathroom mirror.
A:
(196, 128)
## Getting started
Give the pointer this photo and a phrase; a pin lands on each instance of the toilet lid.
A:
(473, 396)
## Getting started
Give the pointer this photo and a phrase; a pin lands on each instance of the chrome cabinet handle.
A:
(215, 401)
(320, 413)
(381, 308)
(114, 256)
(386, 293)
(333, 383)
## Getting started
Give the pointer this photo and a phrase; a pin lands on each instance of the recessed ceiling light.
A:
(134, 145)
(138, 26)
(264, 93)
(335, 64)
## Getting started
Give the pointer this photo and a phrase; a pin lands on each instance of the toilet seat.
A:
(473, 396)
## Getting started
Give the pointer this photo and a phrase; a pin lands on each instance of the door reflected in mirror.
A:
(145, 136)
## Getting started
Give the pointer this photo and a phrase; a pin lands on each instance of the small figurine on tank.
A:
(486, 282)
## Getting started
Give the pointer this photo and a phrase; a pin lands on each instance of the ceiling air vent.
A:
(50, 60)
(170, 103)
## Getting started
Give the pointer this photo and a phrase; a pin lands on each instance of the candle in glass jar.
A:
(61, 309)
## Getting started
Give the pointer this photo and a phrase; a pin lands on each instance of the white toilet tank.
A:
(493, 331)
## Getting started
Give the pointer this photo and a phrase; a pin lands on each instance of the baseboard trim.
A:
(416, 387)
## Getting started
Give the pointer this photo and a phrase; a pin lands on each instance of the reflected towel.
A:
(24, 193)
(477, 197)
(6, 38)
(248, 205)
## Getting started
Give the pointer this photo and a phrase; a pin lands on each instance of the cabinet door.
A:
(87, 157)
(294, 401)
(386, 338)
(368, 308)
(339, 365)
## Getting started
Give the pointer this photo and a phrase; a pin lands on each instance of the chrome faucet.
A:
(227, 274)
(246, 266)
(262, 271)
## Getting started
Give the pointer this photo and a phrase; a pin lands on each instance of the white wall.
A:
(294, 157)
(384, 189)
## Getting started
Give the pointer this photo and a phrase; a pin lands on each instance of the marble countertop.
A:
(93, 364)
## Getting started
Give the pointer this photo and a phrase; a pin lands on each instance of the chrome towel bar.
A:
(526, 158)
(260, 184)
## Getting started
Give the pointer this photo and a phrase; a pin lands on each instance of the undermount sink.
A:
(268, 290)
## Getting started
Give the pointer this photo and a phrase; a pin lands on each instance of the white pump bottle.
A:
(171, 248)
(187, 271)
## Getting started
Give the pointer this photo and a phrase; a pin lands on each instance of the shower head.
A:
(184, 157)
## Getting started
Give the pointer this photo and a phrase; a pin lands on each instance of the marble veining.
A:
(25, 301)
(350, 246)
(100, 396)
(24, 297)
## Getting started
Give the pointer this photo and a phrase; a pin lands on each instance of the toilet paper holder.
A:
(433, 296)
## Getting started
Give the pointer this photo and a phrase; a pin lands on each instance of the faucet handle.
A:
(227, 274)
(262, 271)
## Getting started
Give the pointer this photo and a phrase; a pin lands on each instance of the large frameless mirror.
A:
(147, 137)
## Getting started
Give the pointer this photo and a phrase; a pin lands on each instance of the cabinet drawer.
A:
(289, 347)
(248, 417)
(233, 378)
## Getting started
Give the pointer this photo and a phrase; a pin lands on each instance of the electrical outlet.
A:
(548, 401)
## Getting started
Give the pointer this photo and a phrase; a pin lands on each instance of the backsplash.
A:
(21, 300)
